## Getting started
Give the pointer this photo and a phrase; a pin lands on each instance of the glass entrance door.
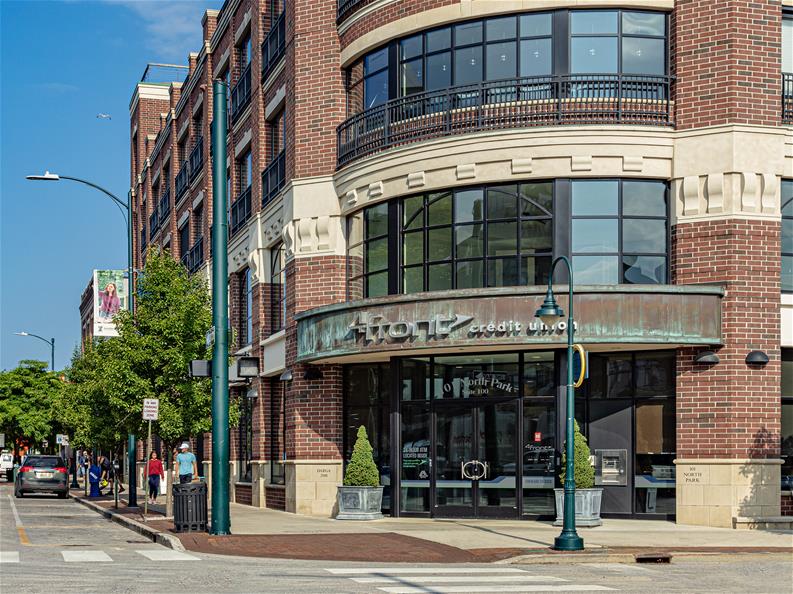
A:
(475, 459)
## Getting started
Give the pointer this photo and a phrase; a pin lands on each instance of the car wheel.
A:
(62, 495)
(19, 494)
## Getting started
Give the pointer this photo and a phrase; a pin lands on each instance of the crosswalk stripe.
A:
(454, 579)
(166, 555)
(414, 570)
(482, 588)
(85, 556)
(9, 556)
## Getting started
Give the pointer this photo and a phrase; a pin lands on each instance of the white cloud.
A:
(172, 27)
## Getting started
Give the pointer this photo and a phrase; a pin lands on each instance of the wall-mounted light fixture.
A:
(286, 376)
(706, 358)
(247, 366)
(200, 368)
(757, 358)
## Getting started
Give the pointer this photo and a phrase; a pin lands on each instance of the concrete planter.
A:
(587, 507)
(359, 503)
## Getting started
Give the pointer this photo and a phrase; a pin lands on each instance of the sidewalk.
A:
(268, 533)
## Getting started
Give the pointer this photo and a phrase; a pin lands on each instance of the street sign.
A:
(210, 337)
(580, 365)
(151, 409)
(62, 439)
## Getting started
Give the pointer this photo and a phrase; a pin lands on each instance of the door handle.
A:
(466, 472)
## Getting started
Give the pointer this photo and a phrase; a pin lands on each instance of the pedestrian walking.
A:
(156, 474)
(80, 462)
(186, 466)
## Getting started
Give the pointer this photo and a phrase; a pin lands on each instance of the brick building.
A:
(401, 175)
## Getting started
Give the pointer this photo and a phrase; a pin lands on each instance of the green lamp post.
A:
(550, 313)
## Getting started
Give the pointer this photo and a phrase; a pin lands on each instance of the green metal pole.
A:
(52, 354)
(569, 540)
(132, 500)
(220, 523)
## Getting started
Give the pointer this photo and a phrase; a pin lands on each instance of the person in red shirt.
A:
(156, 474)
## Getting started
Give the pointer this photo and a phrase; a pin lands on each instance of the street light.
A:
(122, 206)
(550, 313)
(50, 342)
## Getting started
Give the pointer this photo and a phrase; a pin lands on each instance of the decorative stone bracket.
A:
(727, 194)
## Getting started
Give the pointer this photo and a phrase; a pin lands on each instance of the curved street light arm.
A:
(122, 206)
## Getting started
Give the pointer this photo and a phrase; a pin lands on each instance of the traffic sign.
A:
(151, 409)
(62, 439)
(580, 367)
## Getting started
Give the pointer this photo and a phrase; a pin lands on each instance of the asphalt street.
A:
(49, 545)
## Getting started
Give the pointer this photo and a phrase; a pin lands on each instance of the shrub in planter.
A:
(587, 498)
(361, 496)
(362, 471)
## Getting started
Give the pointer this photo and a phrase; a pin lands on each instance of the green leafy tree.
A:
(362, 471)
(583, 472)
(149, 359)
(27, 395)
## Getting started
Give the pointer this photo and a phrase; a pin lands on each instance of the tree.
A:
(362, 471)
(150, 358)
(583, 472)
(27, 395)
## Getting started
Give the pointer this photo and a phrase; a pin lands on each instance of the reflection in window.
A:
(619, 232)
(476, 377)
(787, 419)
(787, 236)
(499, 236)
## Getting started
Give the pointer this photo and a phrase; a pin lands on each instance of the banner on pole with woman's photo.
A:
(110, 297)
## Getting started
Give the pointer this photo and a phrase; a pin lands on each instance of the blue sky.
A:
(62, 63)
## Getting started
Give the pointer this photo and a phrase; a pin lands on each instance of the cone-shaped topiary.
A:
(583, 472)
(362, 471)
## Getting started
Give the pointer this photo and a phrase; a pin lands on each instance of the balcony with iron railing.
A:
(274, 177)
(194, 258)
(154, 224)
(240, 94)
(165, 206)
(197, 158)
(506, 104)
(346, 8)
(274, 45)
(787, 97)
(182, 180)
(240, 212)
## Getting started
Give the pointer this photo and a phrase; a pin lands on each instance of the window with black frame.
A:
(277, 288)
(477, 237)
(619, 232)
(247, 308)
(787, 236)
(787, 420)
(592, 47)
(277, 432)
(366, 403)
(246, 434)
(367, 256)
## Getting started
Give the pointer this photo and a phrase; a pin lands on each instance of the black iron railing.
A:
(154, 224)
(165, 205)
(511, 103)
(345, 8)
(274, 45)
(240, 211)
(197, 158)
(274, 177)
(787, 97)
(240, 94)
(182, 180)
(193, 259)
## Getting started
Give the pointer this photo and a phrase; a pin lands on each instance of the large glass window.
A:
(787, 43)
(499, 236)
(585, 42)
(367, 389)
(476, 237)
(787, 419)
(247, 296)
(489, 376)
(619, 232)
(277, 431)
(787, 236)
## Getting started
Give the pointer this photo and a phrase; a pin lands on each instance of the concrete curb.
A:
(156, 536)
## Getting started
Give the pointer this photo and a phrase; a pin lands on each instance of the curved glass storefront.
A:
(477, 435)
(506, 235)
(539, 68)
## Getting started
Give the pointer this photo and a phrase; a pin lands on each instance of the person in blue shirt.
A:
(186, 466)
(94, 478)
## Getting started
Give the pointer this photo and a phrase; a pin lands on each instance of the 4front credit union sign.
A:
(409, 324)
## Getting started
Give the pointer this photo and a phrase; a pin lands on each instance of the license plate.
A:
(43, 475)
